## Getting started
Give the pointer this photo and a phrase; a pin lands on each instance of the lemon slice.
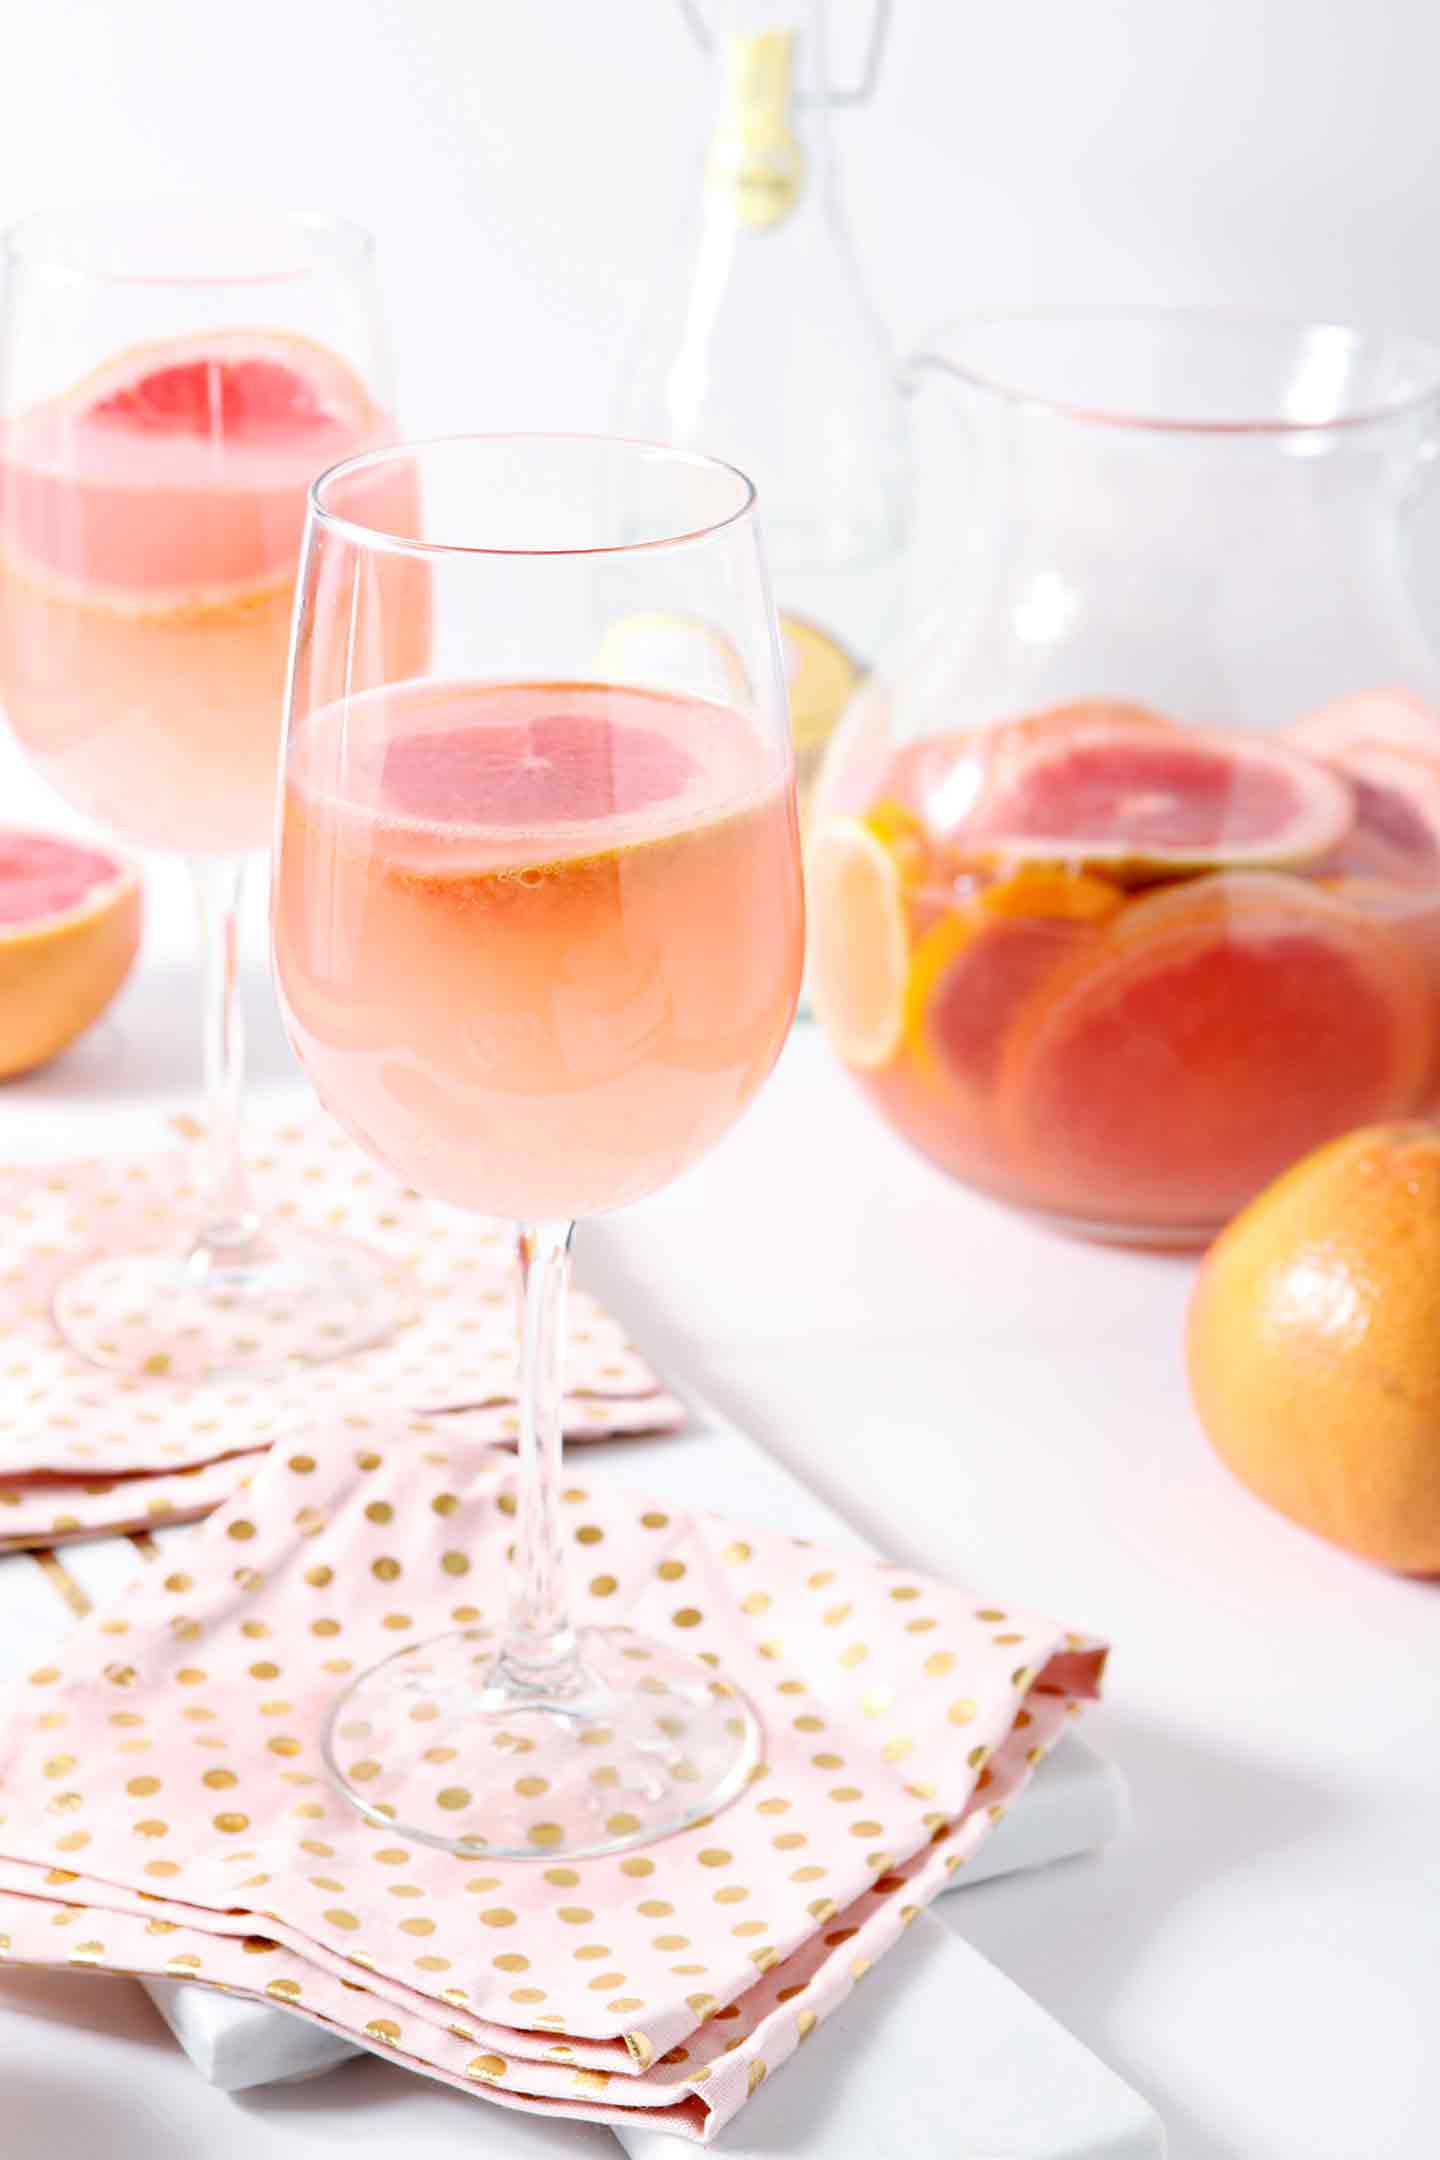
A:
(673, 652)
(859, 951)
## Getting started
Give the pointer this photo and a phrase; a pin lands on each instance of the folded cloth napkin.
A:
(165, 1810)
(63, 1418)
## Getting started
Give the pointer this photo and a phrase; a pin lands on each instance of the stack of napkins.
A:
(165, 1811)
(85, 1451)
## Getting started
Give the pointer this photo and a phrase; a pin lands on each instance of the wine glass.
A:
(538, 934)
(173, 375)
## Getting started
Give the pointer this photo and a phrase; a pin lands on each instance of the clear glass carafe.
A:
(1125, 878)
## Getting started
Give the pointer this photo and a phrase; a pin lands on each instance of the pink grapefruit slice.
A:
(1396, 833)
(1217, 1031)
(69, 931)
(974, 972)
(1137, 804)
(553, 767)
(176, 473)
(1393, 716)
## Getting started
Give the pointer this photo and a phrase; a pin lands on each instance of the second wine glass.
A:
(173, 375)
(538, 934)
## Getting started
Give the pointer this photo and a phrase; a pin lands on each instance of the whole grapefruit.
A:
(69, 931)
(1314, 1345)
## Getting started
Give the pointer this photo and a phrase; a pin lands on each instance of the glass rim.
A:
(350, 245)
(929, 353)
(377, 538)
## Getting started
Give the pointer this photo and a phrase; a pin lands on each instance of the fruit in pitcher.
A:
(1138, 804)
(859, 946)
(1396, 832)
(1219, 1028)
(1314, 1345)
(69, 931)
(975, 970)
(1396, 717)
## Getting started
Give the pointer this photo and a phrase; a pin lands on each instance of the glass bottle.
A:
(760, 346)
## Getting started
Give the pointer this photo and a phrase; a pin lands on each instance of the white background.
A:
(525, 161)
(992, 1402)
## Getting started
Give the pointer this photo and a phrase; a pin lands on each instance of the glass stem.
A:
(227, 1218)
(539, 1653)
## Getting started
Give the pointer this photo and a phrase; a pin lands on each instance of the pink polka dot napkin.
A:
(83, 1451)
(163, 1807)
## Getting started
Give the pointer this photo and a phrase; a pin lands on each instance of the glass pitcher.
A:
(1125, 872)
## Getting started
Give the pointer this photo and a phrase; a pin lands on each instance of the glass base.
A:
(280, 1302)
(440, 1745)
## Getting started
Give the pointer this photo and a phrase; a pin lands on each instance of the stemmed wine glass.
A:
(173, 375)
(538, 935)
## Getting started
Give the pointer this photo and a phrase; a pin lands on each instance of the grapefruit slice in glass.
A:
(1218, 1030)
(176, 473)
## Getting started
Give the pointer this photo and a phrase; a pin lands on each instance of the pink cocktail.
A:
(539, 935)
(172, 378)
(544, 946)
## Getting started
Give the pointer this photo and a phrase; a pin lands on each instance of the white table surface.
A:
(988, 1401)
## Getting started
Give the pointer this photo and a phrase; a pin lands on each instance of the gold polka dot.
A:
(498, 1916)
(589, 1534)
(735, 1555)
(240, 1530)
(319, 1578)
(445, 1503)
(963, 1710)
(866, 1829)
(150, 1827)
(575, 1915)
(283, 1990)
(385, 1569)
(687, 1617)
(455, 1563)
(453, 1796)
(670, 1570)
(511, 1961)
(302, 1464)
(417, 1927)
(805, 2023)
(715, 1856)
(179, 1582)
(653, 1520)
(527, 1995)
(978, 1757)
(546, 1833)
(486, 2066)
(506, 1503)
(564, 1878)
(622, 1825)
(379, 1511)
(139, 1786)
(637, 1866)
(217, 1780)
(232, 1824)
(340, 1918)
(603, 1585)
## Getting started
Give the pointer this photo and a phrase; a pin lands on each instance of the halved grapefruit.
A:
(1140, 803)
(69, 931)
(1216, 1031)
